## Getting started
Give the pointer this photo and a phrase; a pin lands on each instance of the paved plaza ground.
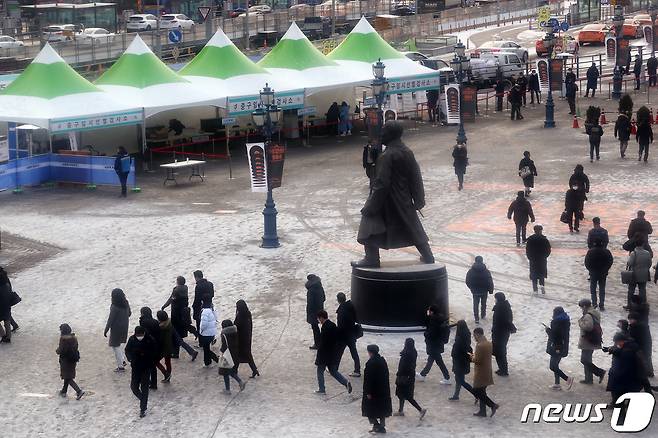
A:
(82, 244)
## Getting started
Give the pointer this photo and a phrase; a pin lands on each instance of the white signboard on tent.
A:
(58, 126)
(418, 83)
(246, 104)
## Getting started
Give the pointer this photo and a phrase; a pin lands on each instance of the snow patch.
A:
(47, 55)
(294, 33)
(363, 26)
(219, 39)
(138, 47)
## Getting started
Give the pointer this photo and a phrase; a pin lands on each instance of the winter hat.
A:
(585, 302)
(162, 315)
(499, 296)
(139, 330)
(479, 259)
(372, 348)
(65, 329)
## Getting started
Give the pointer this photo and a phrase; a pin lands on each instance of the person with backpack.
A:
(122, 163)
(527, 172)
(558, 346)
(480, 283)
(591, 336)
(595, 132)
(141, 351)
(405, 378)
(69, 356)
(521, 211)
(644, 137)
(437, 334)
(461, 361)
(623, 132)
(598, 262)
(117, 325)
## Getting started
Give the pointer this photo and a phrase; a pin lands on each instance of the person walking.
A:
(141, 351)
(315, 298)
(207, 332)
(637, 71)
(117, 325)
(328, 354)
(639, 226)
(595, 132)
(437, 334)
(592, 79)
(627, 372)
(598, 262)
(480, 283)
(644, 137)
(558, 346)
(244, 324)
(69, 356)
(204, 291)
(527, 172)
(230, 341)
(521, 211)
(597, 233)
(122, 163)
(6, 293)
(537, 251)
(406, 377)
(376, 402)
(482, 375)
(460, 161)
(640, 331)
(180, 319)
(639, 262)
(533, 84)
(165, 345)
(501, 329)
(515, 100)
(570, 94)
(348, 330)
(461, 361)
(500, 93)
(652, 67)
(152, 327)
(432, 96)
(522, 82)
(573, 205)
(623, 132)
(344, 122)
(581, 180)
(590, 339)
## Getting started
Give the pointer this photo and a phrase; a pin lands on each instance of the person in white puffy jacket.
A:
(207, 332)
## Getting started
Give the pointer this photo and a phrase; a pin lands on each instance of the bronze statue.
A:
(388, 218)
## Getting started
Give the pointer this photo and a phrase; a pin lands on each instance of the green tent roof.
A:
(364, 44)
(294, 51)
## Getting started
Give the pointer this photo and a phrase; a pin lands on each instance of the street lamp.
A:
(549, 43)
(461, 65)
(266, 117)
(618, 22)
(379, 91)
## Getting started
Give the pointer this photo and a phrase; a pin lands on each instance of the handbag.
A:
(14, 298)
(225, 360)
(358, 330)
(525, 172)
(627, 277)
(564, 217)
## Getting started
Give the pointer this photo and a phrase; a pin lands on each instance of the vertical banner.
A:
(275, 157)
(542, 72)
(469, 102)
(4, 149)
(257, 166)
(610, 48)
(556, 74)
(452, 104)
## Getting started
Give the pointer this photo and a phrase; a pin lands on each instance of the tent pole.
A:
(144, 145)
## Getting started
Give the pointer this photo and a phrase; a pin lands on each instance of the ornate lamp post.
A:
(266, 117)
(379, 91)
(461, 65)
(618, 22)
(549, 43)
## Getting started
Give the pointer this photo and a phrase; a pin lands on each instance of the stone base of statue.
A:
(395, 297)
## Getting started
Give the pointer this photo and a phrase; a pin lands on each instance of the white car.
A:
(58, 33)
(263, 9)
(176, 21)
(504, 46)
(140, 22)
(95, 35)
(7, 42)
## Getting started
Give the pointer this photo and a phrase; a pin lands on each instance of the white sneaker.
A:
(556, 387)
(569, 383)
(420, 377)
(445, 381)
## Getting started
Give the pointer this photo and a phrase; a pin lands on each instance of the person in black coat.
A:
(515, 99)
(461, 359)
(570, 77)
(597, 233)
(652, 68)
(592, 80)
(432, 101)
(204, 291)
(644, 137)
(119, 169)
(598, 262)
(406, 377)
(641, 333)
(5, 307)
(328, 356)
(639, 226)
(623, 132)
(245, 326)
(460, 161)
(637, 70)
(573, 205)
(314, 303)
(558, 345)
(141, 351)
(537, 250)
(480, 283)
(533, 84)
(521, 210)
(230, 341)
(152, 327)
(376, 402)
(347, 321)
(571, 89)
(501, 328)
(527, 172)
(332, 118)
(580, 179)
(437, 334)
(500, 93)
(180, 318)
(627, 372)
(522, 82)
(595, 132)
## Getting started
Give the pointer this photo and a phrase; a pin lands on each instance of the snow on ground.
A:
(143, 243)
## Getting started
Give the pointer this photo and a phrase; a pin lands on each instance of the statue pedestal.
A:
(396, 296)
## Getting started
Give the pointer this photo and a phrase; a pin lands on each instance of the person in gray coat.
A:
(640, 263)
(590, 340)
(117, 325)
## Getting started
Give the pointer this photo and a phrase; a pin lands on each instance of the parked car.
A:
(176, 21)
(58, 33)
(402, 10)
(504, 46)
(644, 19)
(7, 42)
(632, 28)
(139, 22)
(263, 9)
(572, 46)
(593, 34)
(95, 34)
(301, 9)
(237, 12)
(485, 65)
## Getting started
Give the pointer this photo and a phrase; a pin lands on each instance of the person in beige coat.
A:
(590, 339)
(482, 373)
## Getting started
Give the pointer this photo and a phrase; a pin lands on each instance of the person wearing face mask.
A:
(141, 352)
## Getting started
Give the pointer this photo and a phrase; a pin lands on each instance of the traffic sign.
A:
(543, 13)
(564, 26)
(553, 22)
(175, 36)
(203, 12)
(226, 121)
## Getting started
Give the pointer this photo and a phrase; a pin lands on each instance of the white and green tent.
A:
(141, 78)
(50, 92)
